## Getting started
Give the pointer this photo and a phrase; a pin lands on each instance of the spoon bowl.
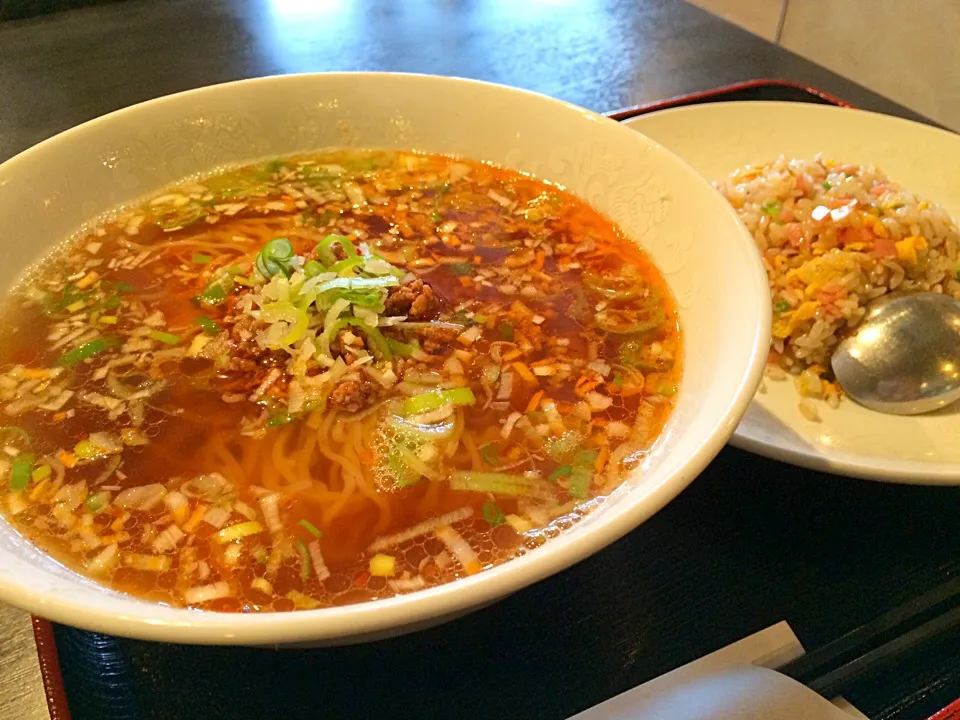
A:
(904, 357)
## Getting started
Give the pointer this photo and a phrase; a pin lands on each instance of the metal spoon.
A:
(904, 358)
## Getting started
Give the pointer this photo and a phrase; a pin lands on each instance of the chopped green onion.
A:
(418, 434)
(202, 259)
(560, 472)
(86, 351)
(276, 257)
(238, 531)
(209, 325)
(41, 473)
(311, 528)
(379, 344)
(497, 483)
(17, 431)
(86, 450)
(489, 454)
(461, 268)
(312, 268)
(826, 185)
(286, 312)
(164, 337)
(435, 399)
(581, 474)
(112, 302)
(342, 266)
(403, 349)
(647, 319)
(70, 296)
(492, 514)
(96, 502)
(123, 287)
(280, 418)
(610, 288)
(218, 288)
(437, 217)
(355, 283)
(770, 207)
(506, 332)
(782, 306)
(325, 248)
(21, 471)
(304, 559)
(618, 379)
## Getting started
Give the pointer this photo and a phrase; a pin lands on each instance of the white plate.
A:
(718, 138)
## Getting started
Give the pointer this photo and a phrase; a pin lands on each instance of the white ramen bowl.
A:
(693, 236)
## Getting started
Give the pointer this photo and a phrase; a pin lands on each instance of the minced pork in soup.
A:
(327, 379)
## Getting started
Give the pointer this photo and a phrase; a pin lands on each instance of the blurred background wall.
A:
(908, 51)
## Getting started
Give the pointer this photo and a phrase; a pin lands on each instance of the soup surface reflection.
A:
(327, 379)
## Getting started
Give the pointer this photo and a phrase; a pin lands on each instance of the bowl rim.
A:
(396, 615)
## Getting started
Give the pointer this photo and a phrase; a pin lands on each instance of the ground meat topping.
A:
(352, 394)
(433, 340)
(416, 300)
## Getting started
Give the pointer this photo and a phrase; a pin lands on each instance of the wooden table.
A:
(750, 543)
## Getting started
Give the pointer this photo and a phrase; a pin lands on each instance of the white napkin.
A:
(733, 683)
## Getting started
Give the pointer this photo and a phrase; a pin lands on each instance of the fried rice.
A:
(833, 237)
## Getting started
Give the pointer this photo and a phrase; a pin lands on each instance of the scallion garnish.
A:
(781, 306)
(560, 472)
(312, 268)
(202, 259)
(86, 351)
(310, 528)
(506, 332)
(295, 320)
(276, 257)
(770, 207)
(492, 514)
(217, 289)
(425, 402)
(489, 454)
(280, 418)
(496, 483)
(826, 185)
(343, 266)
(581, 474)
(96, 502)
(325, 248)
(460, 268)
(209, 326)
(123, 287)
(401, 348)
(16, 431)
(304, 560)
(21, 470)
(164, 337)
